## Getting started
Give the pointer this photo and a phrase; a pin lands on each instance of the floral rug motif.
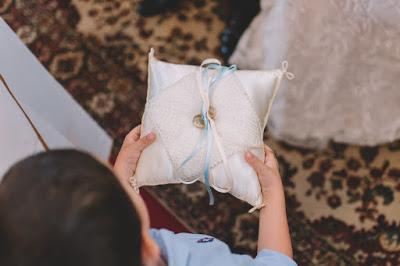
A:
(343, 202)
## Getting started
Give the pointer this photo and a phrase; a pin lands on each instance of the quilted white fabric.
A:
(241, 101)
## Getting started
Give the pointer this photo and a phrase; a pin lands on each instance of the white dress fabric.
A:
(242, 101)
(346, 58)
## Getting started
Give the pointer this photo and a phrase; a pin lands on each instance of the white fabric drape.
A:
(346, 58)
(60, 120)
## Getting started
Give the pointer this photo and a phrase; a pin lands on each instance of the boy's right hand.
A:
(273, 232)
(267, 171)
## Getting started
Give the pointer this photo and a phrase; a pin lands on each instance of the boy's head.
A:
(65, 208)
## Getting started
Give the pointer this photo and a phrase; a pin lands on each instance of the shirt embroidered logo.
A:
(205, 240)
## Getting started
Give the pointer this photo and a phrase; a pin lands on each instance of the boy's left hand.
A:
(128, 156)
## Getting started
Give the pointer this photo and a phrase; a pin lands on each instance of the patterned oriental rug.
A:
(343, 202)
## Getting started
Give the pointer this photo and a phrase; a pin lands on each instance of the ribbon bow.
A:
(285, 72)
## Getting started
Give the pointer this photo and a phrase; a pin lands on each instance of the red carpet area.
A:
(160, 217)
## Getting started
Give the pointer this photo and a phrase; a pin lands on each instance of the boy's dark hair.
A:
(62, 208)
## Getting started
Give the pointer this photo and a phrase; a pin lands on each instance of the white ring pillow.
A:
(241, 101)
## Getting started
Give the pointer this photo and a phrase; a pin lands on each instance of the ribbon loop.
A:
(210, 61)
(285, 72)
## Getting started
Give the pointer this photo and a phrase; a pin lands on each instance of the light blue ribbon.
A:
(209, 86)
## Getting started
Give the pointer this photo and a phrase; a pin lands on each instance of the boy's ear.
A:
(150, 249)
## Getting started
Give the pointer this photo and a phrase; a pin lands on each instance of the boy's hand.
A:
(128, 156)
(267, 171)
(273, 232)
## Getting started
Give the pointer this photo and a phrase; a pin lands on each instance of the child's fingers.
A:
(144, 142)
(256, 163)
(134, 134)
(270, 159)
(267, 148)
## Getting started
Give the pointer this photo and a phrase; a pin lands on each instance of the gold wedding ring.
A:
(198, 120)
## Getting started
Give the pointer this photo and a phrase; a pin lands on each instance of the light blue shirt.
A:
(198, 250)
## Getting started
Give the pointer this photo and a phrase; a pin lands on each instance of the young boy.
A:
(65, 208)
